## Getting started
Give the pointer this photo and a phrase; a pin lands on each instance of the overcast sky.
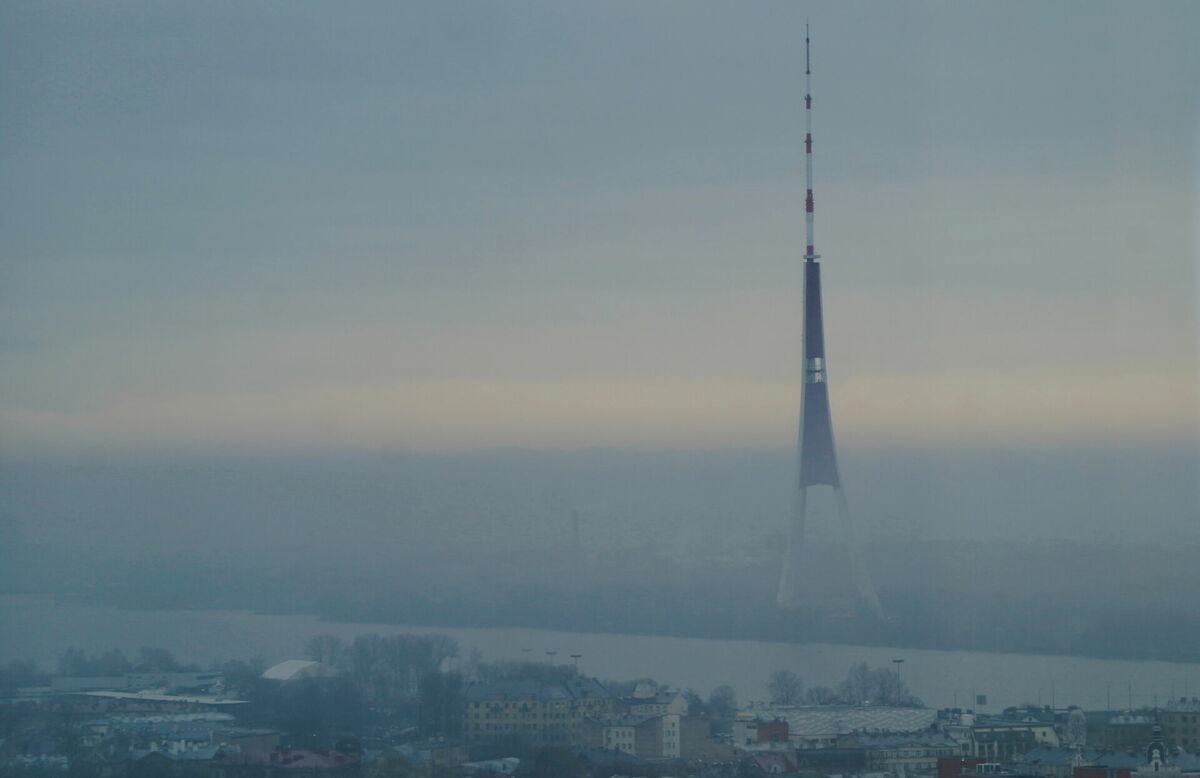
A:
(286, 226)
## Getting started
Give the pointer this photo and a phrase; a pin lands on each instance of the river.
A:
(39, 627)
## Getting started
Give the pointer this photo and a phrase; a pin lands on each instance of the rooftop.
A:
(189, 755)
(290, 669)
(1098, 758)
(622, 720)
(662, 697)
(516, 690)
(897, 740)
(287, 758)
(1015, 723)
(1130, 719)
(831, 720)
(1183, 705)
(195, 699)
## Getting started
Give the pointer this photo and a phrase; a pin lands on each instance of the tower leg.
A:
(789, 595)
(862, 579)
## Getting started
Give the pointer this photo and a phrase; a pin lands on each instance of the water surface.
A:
(39, 627)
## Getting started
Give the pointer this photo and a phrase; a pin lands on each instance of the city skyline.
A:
(354, 355)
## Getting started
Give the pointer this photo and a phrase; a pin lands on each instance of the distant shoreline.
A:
(49, 623)
(858, 632)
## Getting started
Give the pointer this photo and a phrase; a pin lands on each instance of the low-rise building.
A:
(819, 726)
(1180, 721)
(997, 739)
(200, 682)
(247, 738)
(832, 760)
(904, 754)
(663, 736)
(1119, 731)
(503, 766)
(773, 763)
(153, 702)
(658, 703)
(757, 733)
(639, 736)
(1098, 763)
(954, 766)
(533, 710)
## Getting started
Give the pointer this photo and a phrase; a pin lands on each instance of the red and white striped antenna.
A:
(810, 253)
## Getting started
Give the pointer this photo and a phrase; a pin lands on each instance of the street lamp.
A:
(897, 663)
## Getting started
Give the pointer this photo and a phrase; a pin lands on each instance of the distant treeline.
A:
(410, 677)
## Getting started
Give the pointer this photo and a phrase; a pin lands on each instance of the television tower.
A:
(815, 450)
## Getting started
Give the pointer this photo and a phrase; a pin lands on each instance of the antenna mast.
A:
(810, 253)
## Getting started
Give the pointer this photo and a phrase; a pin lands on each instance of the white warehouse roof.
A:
(292, 669)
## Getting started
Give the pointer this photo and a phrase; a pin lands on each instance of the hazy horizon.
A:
(295, 290)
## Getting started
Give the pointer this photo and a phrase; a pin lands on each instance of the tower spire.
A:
(810, 253)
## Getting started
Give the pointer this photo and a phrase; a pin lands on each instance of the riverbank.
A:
(42, 626)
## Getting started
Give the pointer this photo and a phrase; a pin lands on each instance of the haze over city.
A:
(489, 316)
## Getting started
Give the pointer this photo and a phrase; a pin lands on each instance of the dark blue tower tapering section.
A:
(818, 462)
(800, 586)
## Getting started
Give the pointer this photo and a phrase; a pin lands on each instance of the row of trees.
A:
(863, 685)
(74, 661)
(391, 667)
(21, 672)
(409, 678)
(387, 668)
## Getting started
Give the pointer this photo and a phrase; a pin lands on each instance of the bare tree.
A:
(785, 688)
(881, 686)
(820, 695)
(696, 704)
(326, 649)
(441, 647)
(441, 701)
(1076, 732)
(389, 667)
(887, 688)
(156, 660)
(722, 702)
(857, 687)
